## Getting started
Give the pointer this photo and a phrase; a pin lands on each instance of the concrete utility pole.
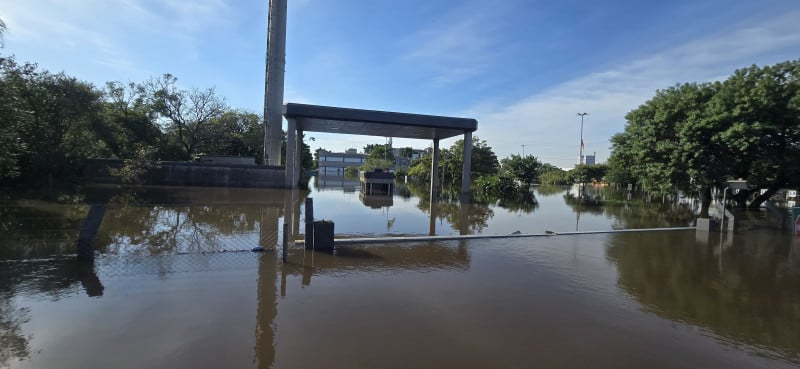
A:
(580, 155)
(273, 89)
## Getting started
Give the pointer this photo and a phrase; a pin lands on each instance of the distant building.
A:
(404, 162)
(334, 163)
(588, 159)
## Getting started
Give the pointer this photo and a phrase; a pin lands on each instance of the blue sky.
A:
(522, 68)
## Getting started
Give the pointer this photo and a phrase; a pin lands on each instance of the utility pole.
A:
(580, 155)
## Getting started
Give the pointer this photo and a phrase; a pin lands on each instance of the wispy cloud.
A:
(457, 45)
(547, 124)
(107, 31)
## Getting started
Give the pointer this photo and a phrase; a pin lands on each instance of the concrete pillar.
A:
(291, 147)
(434, 169)
(309, 236)
(273, 89)
(467, 171)
(298, 157)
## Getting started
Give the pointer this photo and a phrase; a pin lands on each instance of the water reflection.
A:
(743, 288)
(158, 220)
(36, 228)
(52, 279)
(330, 183)
(213, 220)
(385, 257)
(626, 211)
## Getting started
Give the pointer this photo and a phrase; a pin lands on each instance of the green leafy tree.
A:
(552, 175)
(524, 169)
(47, 123)
(693, 137)
(584, 173)
(451, 163)
(379, 157)
(185, 114)
(407, 152)
(420, 169)
(13, 117)
(128, 122)
(484, 160)
(234, 133)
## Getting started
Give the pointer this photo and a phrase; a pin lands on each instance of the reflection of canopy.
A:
(385, 256)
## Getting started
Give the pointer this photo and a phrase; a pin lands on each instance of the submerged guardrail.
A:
(354, 241)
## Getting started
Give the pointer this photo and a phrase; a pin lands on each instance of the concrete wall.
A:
(192, 174)
(228, 160)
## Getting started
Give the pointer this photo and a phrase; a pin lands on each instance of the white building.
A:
(334, 163)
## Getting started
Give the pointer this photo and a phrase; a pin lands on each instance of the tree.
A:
(380, 156)
(420, 169)
(234, 133)
(47, 123)
(407, 152)
(758, 111)
(584, 173)
(186, 113)
(524, 169)
(552, 175)
(128, 122)
(12, 114)
(694, 137)
(451, 162)
(484, 161)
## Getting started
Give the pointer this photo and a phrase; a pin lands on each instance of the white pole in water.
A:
(273, 89)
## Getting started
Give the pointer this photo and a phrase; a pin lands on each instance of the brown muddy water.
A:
(176, 287)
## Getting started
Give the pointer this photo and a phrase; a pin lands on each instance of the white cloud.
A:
(547, 124)
(107, 32)
(457, 46)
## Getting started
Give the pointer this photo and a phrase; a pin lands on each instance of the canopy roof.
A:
(317, 118)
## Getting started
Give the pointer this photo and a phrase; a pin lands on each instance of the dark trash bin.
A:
(323, 235)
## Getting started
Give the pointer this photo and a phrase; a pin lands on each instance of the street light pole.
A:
(580, 155)
(523, 150)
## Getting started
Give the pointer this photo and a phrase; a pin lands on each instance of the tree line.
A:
(693, 137)
(494, 176)
(50, 122)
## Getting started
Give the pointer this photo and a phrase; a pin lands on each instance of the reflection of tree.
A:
(52, 278)
(449, 208)
(13, 342)
(33, 228)
(627, 214)
(170, 228)
(521, 201)
(754, 299)
(547, 190)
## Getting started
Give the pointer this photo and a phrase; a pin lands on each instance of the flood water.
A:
(175, 285)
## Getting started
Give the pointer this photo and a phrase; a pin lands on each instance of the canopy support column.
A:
(467, 171)
(291, 148)
(434, 169)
